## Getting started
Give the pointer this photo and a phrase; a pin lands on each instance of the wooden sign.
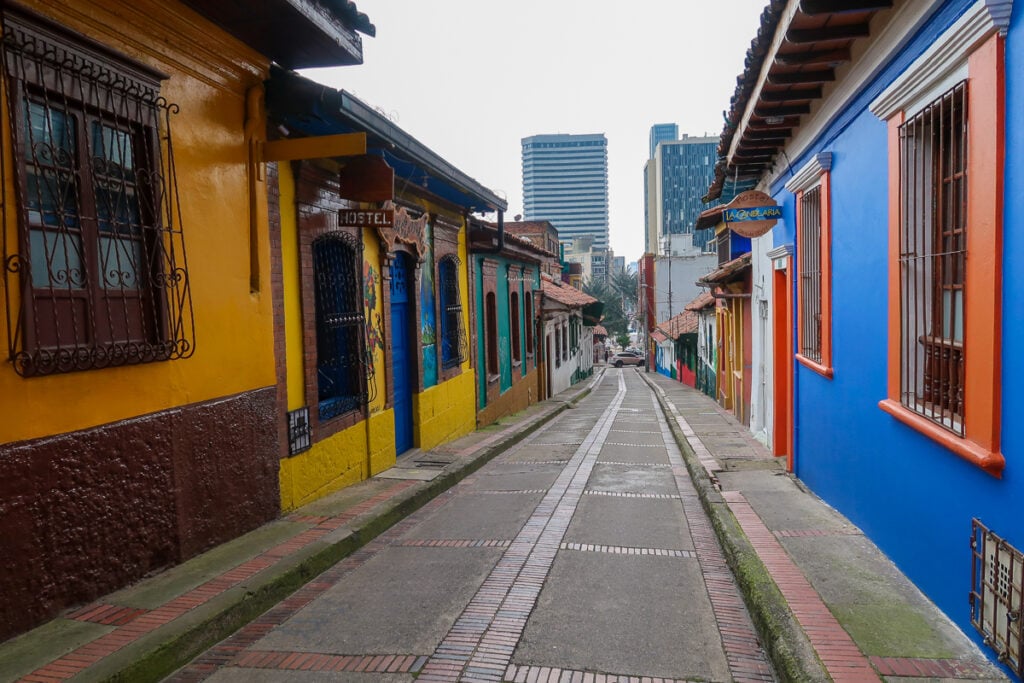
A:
(367, 178)
(371, 218)
(751, 214)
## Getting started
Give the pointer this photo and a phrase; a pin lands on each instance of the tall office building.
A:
(565, 181)
(662, 132)
(676, 177)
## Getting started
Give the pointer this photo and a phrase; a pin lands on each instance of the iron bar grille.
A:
(454, 344)
(300, 434)
(96, 275)
(933, 251)
(997, 598)
(810, 274)
(344, 364)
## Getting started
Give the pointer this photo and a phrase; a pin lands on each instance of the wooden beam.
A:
(785, 110)
(815, 7)
(770, 134)
(792, 95)
(317, 147)
(803, 36)
(802, 77)
(829, 57)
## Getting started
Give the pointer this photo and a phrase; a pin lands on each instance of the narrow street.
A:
(580, 554)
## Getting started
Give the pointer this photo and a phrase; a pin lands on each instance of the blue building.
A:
(898, 334)
(565, 181)
(662, 132)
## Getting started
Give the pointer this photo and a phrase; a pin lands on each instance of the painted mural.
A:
(374, 336)
(428, 317)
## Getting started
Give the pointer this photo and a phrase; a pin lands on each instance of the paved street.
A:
(581, 554)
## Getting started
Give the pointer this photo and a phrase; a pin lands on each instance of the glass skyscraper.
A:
(565, 181)
(662, 132)
(676, 178)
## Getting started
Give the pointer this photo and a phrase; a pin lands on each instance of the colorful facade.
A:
(374, 312)
(569, 317)
(506, 274)
(896, 343)
(138, 431)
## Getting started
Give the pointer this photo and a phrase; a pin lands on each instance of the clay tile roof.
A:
(566, 295)
(658, 336)
(684, 323)
(727, 272)
(703, 300)
(600, 329)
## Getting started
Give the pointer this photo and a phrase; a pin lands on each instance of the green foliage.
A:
(622, 340)
(618, 294)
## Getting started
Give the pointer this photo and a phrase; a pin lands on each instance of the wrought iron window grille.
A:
(300, 432)
(810, 274)
(454, 343)
(96, 274)
(345, 372)
(933, 253)
(997, 594)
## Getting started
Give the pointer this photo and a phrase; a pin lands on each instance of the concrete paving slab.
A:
(416, 473)
(479, 516)
(645, 616)
(785, 507)
(630, 522)
(613, 452)
(24, 654)
(516, 477)
(345, 499)
(632, 479)
(403, 600)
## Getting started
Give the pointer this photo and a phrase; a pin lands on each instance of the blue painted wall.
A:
(912, 497)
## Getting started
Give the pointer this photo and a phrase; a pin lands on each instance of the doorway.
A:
(403, 346)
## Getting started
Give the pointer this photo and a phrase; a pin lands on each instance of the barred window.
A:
(453, 334)
(491, 338)
(96, 275)
(933, 251)
(514, 325)
(341, 367)
(810, 274)
(530, 324)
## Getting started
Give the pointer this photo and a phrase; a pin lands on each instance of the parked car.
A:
(626, 358)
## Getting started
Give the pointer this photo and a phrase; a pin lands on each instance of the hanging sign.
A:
(751, 214)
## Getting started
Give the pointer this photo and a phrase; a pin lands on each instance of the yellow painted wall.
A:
(446, 411)
(210, 73)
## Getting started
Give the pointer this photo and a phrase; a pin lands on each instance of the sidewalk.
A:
(148, 630)
(827, 602)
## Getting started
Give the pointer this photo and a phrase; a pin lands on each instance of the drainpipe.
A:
(501, 237)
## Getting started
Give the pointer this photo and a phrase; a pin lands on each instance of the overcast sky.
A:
(471, 78)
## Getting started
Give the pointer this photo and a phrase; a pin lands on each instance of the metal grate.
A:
(454, 345)
(344, 367)
(97, 276)
(810, 274)
(933, 251)
(997, 587)
(300, 434)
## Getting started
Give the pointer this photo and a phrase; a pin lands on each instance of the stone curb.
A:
(785, 642)
(182, 647)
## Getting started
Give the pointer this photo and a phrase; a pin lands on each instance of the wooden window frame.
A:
(97, 275)
(980, 35)
(814, 263)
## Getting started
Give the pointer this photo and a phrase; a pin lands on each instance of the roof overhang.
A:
(789, 67)
(301, 107)
(297, 34)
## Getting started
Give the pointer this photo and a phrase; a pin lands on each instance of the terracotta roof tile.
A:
(703, 300)
(564, 294)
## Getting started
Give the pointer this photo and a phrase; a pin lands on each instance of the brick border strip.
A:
(319, 661)
(551, 674)
(626, 550)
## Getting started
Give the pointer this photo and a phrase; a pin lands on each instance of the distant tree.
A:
(615, 320)
(622, 340)
(624, 284)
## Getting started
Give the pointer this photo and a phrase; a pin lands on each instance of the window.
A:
(100, 255)
(558, 346)
(565, 341)
(946, 138)
(492, 334)
(514, 324)
(453, 335)
(933, 241)
(341, 369)
(530, 325)
(813, 245)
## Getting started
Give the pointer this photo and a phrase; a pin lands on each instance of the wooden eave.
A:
(790, 66)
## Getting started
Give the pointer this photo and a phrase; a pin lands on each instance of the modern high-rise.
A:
(676, 178)
(662, 132)
(565, 181)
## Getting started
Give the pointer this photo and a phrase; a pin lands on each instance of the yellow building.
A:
(138, 399)
(374, 309)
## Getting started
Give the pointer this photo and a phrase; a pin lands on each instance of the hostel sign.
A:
(375, 218)
(751, 213)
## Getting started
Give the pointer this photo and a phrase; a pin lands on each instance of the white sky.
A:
(470, 78)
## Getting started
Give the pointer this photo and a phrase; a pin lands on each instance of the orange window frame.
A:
(824, 367)
(983, 297)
